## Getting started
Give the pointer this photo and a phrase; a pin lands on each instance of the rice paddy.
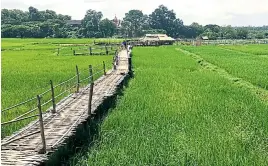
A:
(250, 67)
(27, 72)
(174, 112)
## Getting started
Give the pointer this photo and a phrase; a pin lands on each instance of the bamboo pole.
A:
(78, 79)
(104, 68)
(43, 150)
(106, 49)
(90, 50)
(90, 90)
(53, 98)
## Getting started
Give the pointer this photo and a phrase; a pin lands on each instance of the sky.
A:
(221, 12)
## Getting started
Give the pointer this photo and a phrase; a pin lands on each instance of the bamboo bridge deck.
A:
(71, 111)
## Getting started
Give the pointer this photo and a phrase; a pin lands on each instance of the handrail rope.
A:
(24, 129)
(42, 94)
(46, 103)
(97, 73)
(67, 85)
(12, 121)
(96, 69)
(17, 119)
(50, 90)
(24, 102)
(85, 79)
(64, 91)
(96, 66)
(65, 81)
(26, 113)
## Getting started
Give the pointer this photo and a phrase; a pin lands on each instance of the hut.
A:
(157, 39)
(204, 37)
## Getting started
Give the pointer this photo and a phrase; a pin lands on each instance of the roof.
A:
(74, 22)
(204, 37)
(157, 37)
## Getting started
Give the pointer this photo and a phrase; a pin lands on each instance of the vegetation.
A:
(252, 49)
(177, 113)
(246, 66)
(39, 24)
(28, 65)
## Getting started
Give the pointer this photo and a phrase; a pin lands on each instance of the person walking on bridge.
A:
(125, 44)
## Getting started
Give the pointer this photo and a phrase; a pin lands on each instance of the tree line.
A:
(40, 24)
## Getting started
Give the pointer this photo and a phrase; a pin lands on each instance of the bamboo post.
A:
(43, 150)
(58, 51)
(74, 52)
(114, 65)
(90, 90)
(78, 79)
(91, 73)
(90, 50)
(53, 98)
(104, 70)
(106, 49)
(129, 63)
(114, 61)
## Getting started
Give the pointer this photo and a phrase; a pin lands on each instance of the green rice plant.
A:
(252, 49)
(176, 113)
(27, 73)
(9, 43)
(252, 68)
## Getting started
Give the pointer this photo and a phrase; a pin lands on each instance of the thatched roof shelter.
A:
(156, 37)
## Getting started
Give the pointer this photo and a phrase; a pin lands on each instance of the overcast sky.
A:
(221, 12)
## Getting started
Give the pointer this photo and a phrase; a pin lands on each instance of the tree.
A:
(177, 29)
(260, 35)
(126, 29)
(34, 15)
(50, 14)
(64, 17)
(107, 28)
(213, 28)
(47, 23)
(13, 16)
(145, 23)
(197, 29)
(242, 33)
(163, 18)
(228, 32)
(266, 34)
(135, 18)
(91, 22)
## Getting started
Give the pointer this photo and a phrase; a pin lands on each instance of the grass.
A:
(176, 113)
(246, 66)
(8, 43)
(252, 49)
(26, 73)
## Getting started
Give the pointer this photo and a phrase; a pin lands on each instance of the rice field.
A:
(250, 67)
(9, 43)
(251, 49)
(174, 112)
(27, 72)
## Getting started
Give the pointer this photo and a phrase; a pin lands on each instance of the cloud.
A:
(222, 12)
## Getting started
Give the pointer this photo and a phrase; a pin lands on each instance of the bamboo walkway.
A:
(71, 111)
